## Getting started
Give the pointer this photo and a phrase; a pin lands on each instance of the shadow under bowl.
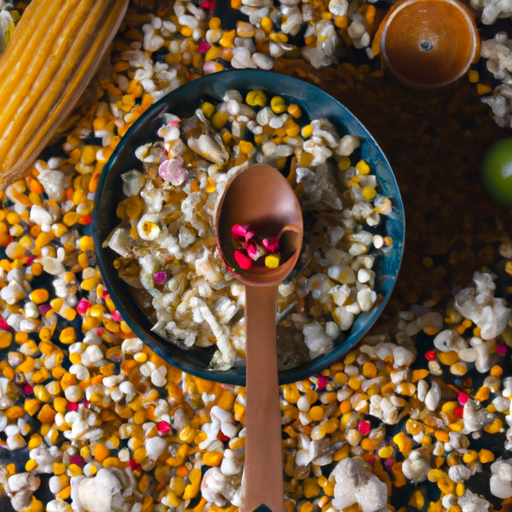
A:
(183, 102)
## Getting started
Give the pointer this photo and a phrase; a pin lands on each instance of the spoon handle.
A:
(263, 473)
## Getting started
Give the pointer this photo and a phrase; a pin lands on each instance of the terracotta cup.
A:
(428, 43)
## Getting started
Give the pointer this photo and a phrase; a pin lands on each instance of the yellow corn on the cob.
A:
(54, 52)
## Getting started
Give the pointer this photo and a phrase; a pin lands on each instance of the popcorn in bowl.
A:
(166, 241)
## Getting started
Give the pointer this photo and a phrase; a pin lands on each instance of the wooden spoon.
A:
(261, 197)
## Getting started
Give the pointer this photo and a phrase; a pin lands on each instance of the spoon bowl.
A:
(261, 197)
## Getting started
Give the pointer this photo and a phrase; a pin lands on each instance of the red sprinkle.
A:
(31, 260)
(321, 382)
(430, 355)
(28, 389)
(208, 4)
(163, 427)
(222, 437)
(501, 349)
(99, 331)
(71, 406)
(132, 464)
(105, 295)
(85, 402)
(243, 261)
(4, 324)
(86, 219)
(83, 306)
(462, 398)
(459, 411)
(364, 427)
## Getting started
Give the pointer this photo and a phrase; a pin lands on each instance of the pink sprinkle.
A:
(242, 234)
(71, 406)
(28, 389)
(83, 306)
(77, 459)
(31, 260)
(160, 277)
(44, 308)
(174, 122)
(364, 427)
(116, 316)
(4, 324)
(322, 382)
(163, 427)
(501, 349)
(85, 402)
(243, 261)
(462, 398)
(252, 251)
(138, 468)
(271, 244)
(204, 46)
(459, 411)
(389, 462)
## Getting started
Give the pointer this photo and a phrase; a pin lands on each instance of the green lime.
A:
(497, 171)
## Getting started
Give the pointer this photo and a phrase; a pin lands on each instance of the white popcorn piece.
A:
(355, 483)
(416, 467)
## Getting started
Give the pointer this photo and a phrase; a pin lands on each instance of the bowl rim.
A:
(289, 376)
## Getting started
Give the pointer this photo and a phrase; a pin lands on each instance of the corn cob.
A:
(54, 52)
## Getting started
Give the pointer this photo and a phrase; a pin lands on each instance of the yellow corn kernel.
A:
(417, 500)
(59, 468)
(278, 37)
(266, 24)
(67, 336)
(495, 427)
(212, 458)
(256, 98)
(71, 218)
(369, 193)
(5, 339)
(31, 406)
(228, 39)
(14, 412)
(473, 76)
(219, 120)
(101, 452)
(245, 147)
(278, 105)
(306, 131)
(483, 88)
(75, 470)
(208, 109)
(272, 261)
(363, 167)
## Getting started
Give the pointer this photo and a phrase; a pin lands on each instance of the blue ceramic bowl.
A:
(183, 102)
